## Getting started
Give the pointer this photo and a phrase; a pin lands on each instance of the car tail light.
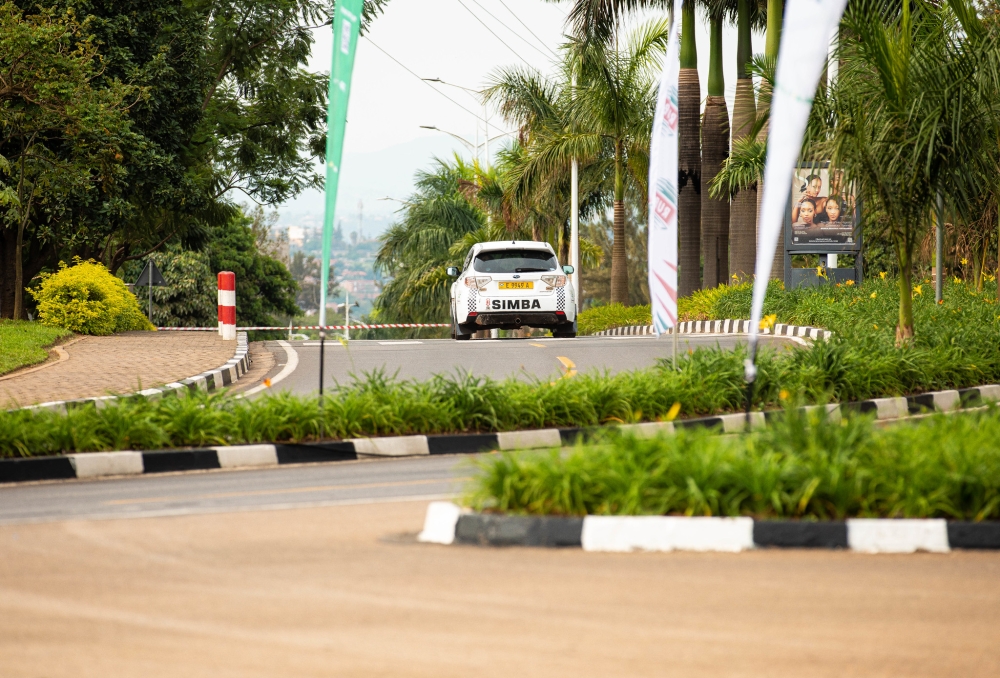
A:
(554, 280)
(478, 281)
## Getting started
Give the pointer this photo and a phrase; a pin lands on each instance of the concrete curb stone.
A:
(446, 523)
(720, 327)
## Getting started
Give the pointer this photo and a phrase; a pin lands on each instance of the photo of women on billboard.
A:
(822, 208)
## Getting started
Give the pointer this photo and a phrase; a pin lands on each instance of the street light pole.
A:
(468, 145)
(574, 222)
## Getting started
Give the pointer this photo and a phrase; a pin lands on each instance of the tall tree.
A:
(715, 150)
(689, 157)
(775, 9)
(608, 124)
(228, 108)
(530, 196)
(61, 138)
(416, 251)
(743, 208)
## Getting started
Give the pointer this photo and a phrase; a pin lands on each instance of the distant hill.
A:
(371, 177)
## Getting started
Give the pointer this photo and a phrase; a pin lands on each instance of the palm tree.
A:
(526, 198)
(983, 33)
(598, 20)
(743, 208)
(606, 124)
(416, 251)
(715, 150)
(775, 9)
(689, 157)
(907, 118)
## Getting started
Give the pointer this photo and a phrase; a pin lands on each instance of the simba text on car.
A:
(509, 285)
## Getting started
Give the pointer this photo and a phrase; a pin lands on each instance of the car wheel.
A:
(571, 334)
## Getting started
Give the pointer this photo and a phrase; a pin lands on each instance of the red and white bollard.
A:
(227, 305)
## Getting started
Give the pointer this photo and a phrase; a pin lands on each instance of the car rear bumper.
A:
(515, 320)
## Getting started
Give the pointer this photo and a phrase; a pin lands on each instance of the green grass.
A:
(804, 466)
(23, 343)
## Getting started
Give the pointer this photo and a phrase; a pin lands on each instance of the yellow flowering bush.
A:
(86, 298)
(701, 304)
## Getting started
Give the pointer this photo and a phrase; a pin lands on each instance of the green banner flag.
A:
(346, 24)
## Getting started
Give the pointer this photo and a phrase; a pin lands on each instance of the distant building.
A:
(360, 288)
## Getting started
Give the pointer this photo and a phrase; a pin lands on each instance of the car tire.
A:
(569, 334)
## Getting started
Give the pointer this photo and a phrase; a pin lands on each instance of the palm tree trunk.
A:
(743, 209)
(904, 258)
(689, 157)
(774, 17)
(619, 261)
(715, 150)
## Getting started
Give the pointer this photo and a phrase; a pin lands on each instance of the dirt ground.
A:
(336, 592)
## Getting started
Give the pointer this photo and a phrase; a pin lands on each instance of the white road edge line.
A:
(209, 510)
(290, 365)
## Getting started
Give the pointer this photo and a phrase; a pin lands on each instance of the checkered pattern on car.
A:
(560, 298)
(472, 300)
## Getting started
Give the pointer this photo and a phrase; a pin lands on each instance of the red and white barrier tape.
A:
(310, 327)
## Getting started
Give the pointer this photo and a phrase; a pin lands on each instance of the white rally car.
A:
(509, 285)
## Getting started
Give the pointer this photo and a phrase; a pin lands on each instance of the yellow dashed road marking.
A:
(531, 343)
(569, 367)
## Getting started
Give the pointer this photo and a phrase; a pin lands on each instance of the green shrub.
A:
(610, 316)
(702, 304)
(86, 298)
(802, 466)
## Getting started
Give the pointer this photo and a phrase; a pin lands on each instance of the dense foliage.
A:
(265, 290)
(219, 104)
(86, 298)
(23, 343)
(801, 466)
(62, 140)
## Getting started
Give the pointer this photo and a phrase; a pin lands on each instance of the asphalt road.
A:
(308, 485)
(498, 358)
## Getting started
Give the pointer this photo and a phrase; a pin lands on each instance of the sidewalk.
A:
(120, 363)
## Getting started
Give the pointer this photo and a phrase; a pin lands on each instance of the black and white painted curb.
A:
(447, 523)
(721, 327)
(94, 464)
(218, 378)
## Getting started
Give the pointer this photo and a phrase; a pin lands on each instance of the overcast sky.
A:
(460, 42)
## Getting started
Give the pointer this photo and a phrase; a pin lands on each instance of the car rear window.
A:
(515, 261)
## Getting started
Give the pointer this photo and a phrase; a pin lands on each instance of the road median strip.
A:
(98, 464)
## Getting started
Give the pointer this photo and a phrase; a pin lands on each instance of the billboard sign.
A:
(824, 211)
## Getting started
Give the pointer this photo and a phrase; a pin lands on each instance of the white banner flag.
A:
(805, 43)
(663, 189)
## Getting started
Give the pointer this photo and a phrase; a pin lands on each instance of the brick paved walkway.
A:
(121, 363)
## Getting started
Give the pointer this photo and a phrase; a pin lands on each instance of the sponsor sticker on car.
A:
(512, 304)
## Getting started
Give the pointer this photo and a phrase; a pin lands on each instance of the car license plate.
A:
(517, 285)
